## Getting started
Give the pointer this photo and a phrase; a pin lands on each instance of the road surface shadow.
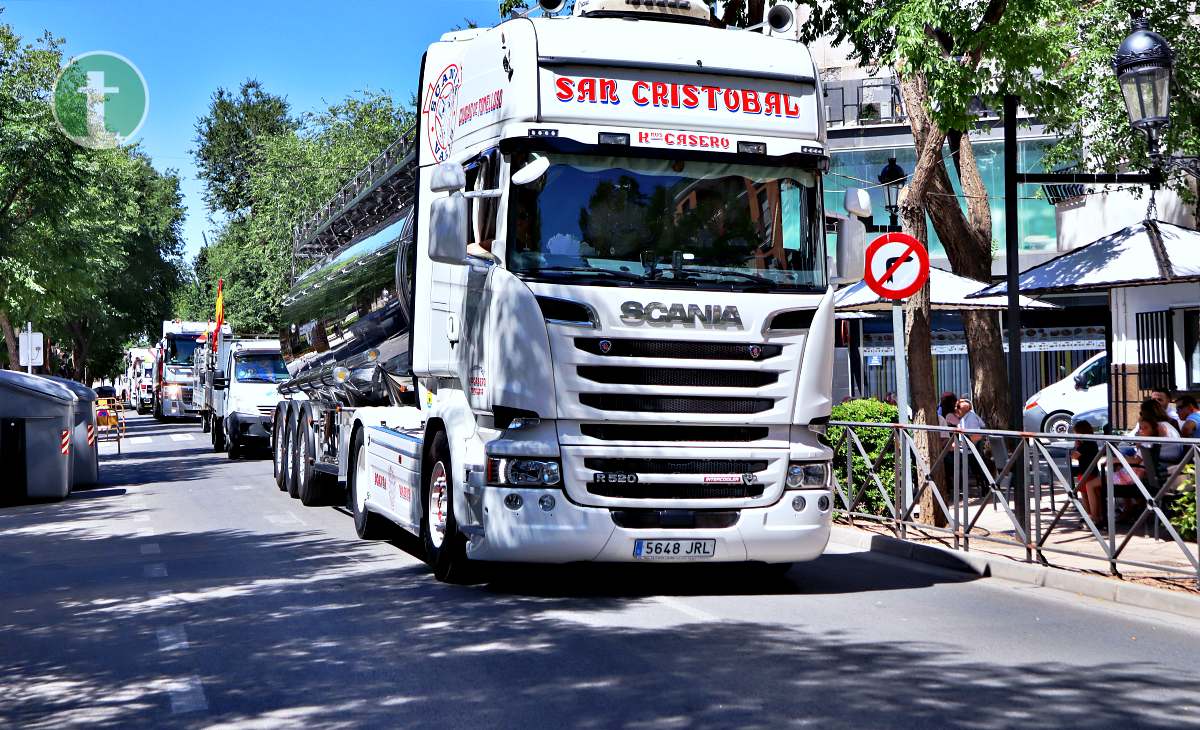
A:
(302, 629)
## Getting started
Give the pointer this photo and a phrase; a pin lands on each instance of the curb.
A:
(1104, 589)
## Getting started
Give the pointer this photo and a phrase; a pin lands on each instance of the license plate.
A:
(674, 549)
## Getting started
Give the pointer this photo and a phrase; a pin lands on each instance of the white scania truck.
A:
(583, 313)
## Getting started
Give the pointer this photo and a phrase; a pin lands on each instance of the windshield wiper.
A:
(587, 270)
(726, 272)
(257, 380)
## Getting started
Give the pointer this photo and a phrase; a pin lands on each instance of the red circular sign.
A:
(897, 266)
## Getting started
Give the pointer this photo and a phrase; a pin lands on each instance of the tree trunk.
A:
(10, 339)
(967, 238)
(928, 139)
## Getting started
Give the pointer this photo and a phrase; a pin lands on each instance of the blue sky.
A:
(311, 52)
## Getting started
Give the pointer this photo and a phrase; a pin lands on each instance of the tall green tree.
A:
(228, 139)
(40, 170)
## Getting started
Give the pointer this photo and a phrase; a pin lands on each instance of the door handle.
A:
(452, 328)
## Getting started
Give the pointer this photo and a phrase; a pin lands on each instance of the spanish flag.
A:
(220, 305)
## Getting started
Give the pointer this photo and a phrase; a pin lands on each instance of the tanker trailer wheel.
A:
(290, 452)
(278, 443)
(445, 546)
(308, 481)
(367, 524)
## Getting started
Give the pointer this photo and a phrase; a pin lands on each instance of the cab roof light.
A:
(543, 133)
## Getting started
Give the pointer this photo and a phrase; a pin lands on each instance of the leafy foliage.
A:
(1183, 509)
(292, 173)
(89, 239)
(1093, 129)
(876, 442)
(227, 141)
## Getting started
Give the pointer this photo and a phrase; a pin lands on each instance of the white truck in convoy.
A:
(235, 390)
(174, 368)
(583, 312)
(139, 372)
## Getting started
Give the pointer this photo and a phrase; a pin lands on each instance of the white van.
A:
(1050, 409)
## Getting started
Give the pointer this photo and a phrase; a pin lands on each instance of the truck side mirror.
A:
(448, 215)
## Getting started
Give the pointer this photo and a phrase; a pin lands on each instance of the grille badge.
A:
(605, 346)
(755, 352)
(749, 479)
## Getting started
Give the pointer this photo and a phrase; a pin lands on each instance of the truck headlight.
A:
(508, 472)
(807, 476)
(172, 390)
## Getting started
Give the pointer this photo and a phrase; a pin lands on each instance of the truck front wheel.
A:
(445, 546)
(218, 435)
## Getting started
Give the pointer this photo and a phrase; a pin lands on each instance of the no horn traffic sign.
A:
(897, 266)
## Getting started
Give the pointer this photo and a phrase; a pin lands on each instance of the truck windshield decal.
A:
(614, 221)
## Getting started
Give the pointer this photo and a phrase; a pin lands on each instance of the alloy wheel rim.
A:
(438, 492)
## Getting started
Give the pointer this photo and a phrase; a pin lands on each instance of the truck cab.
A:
(244, 394)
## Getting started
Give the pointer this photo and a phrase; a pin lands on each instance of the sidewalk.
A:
(1070, 534)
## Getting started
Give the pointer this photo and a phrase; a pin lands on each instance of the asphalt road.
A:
(186, 590)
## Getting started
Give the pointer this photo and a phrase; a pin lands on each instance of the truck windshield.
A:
(641, 222)
(266, 368)
(180, 349)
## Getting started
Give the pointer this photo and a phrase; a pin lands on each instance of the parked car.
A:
(1086, 389)
(1098, 417)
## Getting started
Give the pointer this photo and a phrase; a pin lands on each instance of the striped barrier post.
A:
(66, 442)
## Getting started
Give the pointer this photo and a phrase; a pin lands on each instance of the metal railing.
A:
(1025, 472)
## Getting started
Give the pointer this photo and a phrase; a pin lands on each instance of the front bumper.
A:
(1032, 418)
(177, 408)
(249, 426)
(573, 533)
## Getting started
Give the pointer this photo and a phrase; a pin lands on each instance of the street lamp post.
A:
(1143, 65)
(892, 177)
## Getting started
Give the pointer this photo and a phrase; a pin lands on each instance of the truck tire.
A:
(445, 546)
(290, 478)
(232, 446)
(218, 435)
(278, 440)
(367, 524)
(308, 482)
(205, 422)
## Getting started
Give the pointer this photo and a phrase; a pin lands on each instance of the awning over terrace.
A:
(947, 291)
(1149, 253)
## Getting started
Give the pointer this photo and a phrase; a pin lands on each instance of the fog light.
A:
(799, 503)
(513, 501)
(546, 502)
(823, 503)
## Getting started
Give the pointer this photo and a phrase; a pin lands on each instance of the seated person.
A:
(1189, 414)
(1152, 422)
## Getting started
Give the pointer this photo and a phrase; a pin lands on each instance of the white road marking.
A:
(187, 695)
(182, 437)
(242, 488)
(141, 518)
(151, 549)
(155, 570)
(685, 609)
(284, 519)
(172, 638)
(139, 439)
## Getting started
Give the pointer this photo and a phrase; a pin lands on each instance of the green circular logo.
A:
(101, 100)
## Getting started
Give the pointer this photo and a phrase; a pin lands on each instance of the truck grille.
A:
(685, 377)
(637, 403)
(678, 349)
(650, 490)
(674, 466)
(675, 432)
